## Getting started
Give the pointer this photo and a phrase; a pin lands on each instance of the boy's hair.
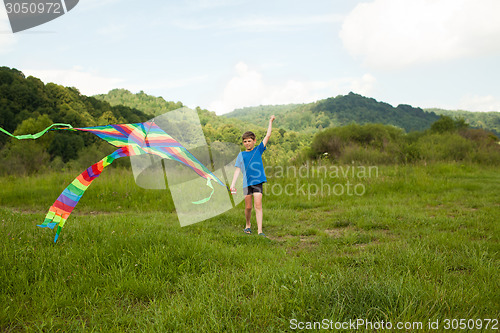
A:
(248, 135)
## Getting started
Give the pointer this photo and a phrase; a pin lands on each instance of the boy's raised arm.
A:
(269, 130)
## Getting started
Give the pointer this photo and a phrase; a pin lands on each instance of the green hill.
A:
(353, 108)
(23, 98)
(140, 101)
(27, 105)
(338, 111)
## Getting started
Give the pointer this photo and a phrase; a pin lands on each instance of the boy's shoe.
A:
(247, 231)
(262, 234)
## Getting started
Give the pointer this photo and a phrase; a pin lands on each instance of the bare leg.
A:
(257, 202)
(248, 209)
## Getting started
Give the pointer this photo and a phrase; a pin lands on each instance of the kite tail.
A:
(209, 184)
(66, 202)
(39, 134)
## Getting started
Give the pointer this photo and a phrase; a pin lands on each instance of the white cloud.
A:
(87, 82)
(7, 38)
(472, 102)
(248, 88)
(396, 34)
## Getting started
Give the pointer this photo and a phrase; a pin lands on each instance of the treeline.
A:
(487, 120)
(446, 140)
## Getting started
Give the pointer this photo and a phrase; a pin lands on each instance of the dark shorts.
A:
(252, 189)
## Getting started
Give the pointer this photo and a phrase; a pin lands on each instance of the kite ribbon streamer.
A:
(132, 139)
(209, 184)
(67, 201)
(36, 135)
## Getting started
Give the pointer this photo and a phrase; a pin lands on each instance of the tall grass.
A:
(422, 243)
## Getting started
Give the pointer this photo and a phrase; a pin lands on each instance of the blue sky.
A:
(225, 54)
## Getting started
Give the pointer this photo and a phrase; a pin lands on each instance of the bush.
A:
(366, 155)
(449, 140)
(444, 147)
(482, 137)
(93, 154)
(369, 143)
(23, 158)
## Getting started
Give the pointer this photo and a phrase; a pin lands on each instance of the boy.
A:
(250, 161)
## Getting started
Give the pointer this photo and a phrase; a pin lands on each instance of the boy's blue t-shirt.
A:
(250, 163)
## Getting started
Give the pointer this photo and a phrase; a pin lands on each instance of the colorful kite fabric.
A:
(148, 138)
(133, 139)
(66, 202)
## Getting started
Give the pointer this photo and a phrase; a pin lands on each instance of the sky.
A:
(227, 54)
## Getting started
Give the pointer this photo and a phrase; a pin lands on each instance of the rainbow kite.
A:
(132, 139)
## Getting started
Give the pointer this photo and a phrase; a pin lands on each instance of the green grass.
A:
(421, 244)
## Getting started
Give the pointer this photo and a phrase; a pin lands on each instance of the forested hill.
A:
(27, 105)
(22, 98)
(139, 101)
(338, 111)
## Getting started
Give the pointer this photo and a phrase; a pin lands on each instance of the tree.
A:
(448, 124)
(66, 145)
(443, 124)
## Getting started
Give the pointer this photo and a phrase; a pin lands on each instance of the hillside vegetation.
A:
(446, 140)
(341, 129)
(27, 105)
(353, 108)
(486, 120)
(338, 111)
(140, 101)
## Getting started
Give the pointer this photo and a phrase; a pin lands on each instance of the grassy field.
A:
(420, 244)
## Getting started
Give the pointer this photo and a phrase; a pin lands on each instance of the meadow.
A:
(419, 245)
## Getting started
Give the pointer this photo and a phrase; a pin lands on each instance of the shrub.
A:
(334, 140)
(365, 155)
(371, 143)
(446, 146)
(479, 135)
(23, 158)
